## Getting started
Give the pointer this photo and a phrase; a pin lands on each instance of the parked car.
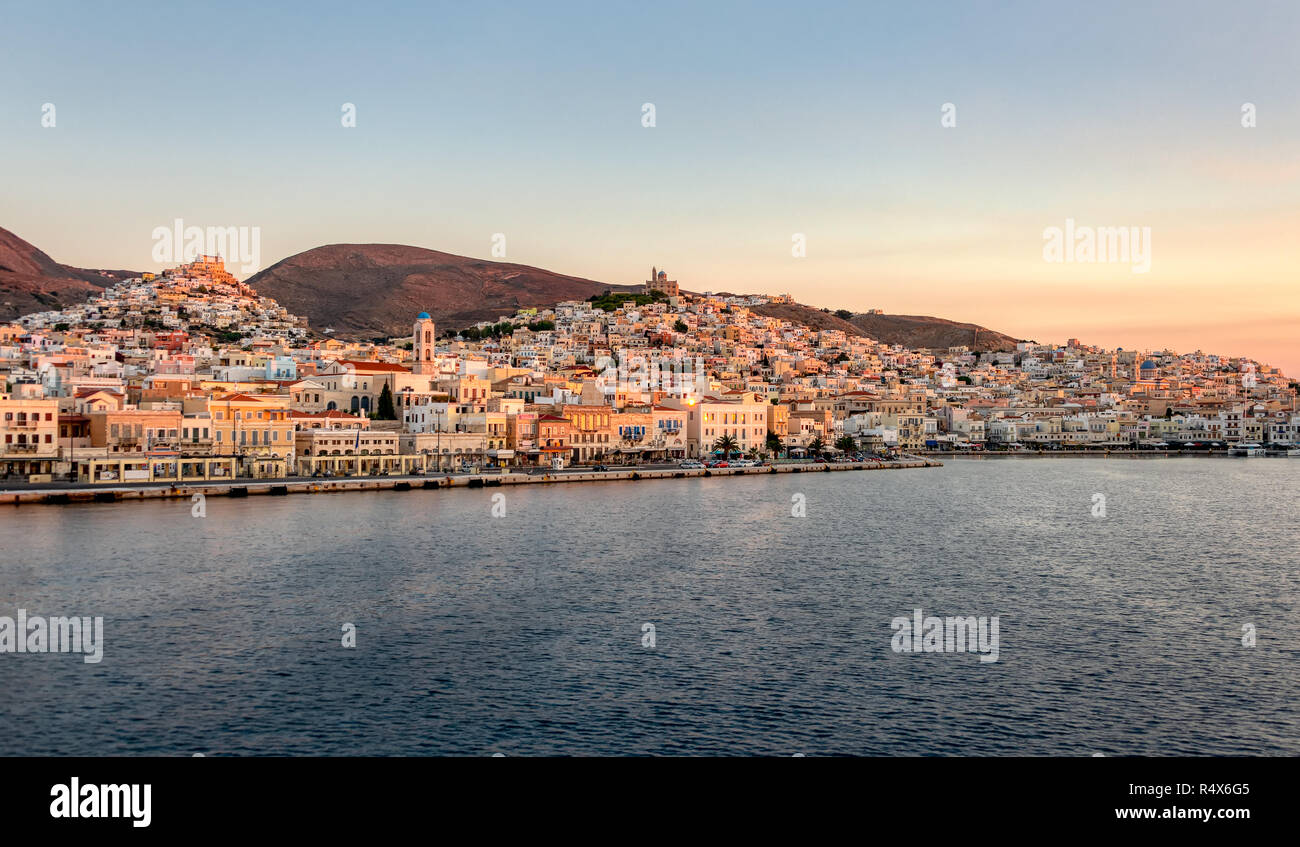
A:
(600, 468)
(690, 465)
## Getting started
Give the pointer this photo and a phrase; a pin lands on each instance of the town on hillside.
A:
(191, 375)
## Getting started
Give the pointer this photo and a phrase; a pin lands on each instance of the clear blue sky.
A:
(772, 119)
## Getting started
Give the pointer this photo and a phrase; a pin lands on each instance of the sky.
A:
(771, 121)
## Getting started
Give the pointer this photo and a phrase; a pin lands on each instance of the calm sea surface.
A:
(522, 634)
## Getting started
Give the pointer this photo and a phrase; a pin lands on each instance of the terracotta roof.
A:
(380, 367)
(331, 413)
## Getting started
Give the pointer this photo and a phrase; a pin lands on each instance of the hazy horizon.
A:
(769, 122)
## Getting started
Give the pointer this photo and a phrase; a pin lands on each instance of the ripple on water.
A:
(522, 634)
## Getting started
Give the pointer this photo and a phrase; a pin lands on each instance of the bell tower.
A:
(422, 344)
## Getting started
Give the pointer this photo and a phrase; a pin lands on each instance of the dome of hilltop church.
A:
(423, 316)
(1148, 365)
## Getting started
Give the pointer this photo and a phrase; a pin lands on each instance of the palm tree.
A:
(846, 443)
(726, 445)
(816, 446)
(774, 443)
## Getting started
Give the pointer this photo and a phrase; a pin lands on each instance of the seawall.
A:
(247, 488)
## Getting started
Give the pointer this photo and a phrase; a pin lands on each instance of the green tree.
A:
(680, 326)
(726, 445)
(816, 447)
(386, 412)
(843, 314)
(773, 443)
(846, 443)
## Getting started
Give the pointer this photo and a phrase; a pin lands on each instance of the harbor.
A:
(80, 493)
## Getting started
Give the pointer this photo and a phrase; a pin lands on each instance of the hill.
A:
(370, 290)
(31, 281)
(913, 331)
(924, 331)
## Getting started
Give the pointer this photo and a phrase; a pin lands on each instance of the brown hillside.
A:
(923, 331)
(367, 290)
(30, 281)
(914, 331)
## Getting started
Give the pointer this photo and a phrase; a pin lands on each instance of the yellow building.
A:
(29, 435)
(256, 429)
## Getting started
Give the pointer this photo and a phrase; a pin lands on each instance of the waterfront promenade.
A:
(81, 493)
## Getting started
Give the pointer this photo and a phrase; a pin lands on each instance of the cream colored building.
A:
(29, 435)
(743, 418)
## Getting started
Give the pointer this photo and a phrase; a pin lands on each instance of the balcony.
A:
(27, 449)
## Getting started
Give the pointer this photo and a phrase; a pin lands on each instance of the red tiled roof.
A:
(331, 413)
(379, 367)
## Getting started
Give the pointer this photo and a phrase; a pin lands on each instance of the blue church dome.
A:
(423, 316)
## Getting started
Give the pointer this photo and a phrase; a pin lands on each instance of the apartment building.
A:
(29, 435)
